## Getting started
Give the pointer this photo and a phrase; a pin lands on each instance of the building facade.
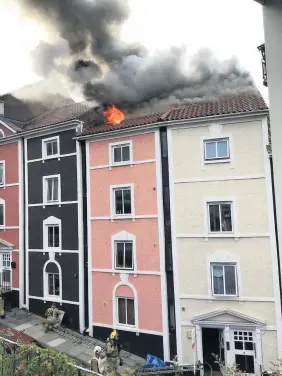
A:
(11, 234)
(53, 223)
(224, 242)
(127, 281)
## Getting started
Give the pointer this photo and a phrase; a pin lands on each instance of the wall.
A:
(144, 282)
(10, 193)
(243, 180)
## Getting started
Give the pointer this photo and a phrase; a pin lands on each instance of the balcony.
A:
(261, 48)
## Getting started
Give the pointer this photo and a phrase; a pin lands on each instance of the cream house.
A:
(223, 239)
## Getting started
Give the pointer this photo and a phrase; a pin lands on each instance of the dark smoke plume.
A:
(88, 52)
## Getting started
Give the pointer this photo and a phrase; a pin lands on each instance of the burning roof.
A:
(98, 121)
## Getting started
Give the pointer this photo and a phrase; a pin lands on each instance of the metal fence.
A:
(24, 360)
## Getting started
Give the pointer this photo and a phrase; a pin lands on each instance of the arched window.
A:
(52, 280)
(125, 305)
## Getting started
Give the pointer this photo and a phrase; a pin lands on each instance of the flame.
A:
(114, 115)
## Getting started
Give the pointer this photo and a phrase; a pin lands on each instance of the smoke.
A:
(87, 53)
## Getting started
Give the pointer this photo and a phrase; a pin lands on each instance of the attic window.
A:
(1, 133)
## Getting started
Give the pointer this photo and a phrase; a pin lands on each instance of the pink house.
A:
(127, 287)
(10, 216)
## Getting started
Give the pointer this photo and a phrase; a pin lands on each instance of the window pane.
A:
(49, 189)
(128, 256)
(125, 153)
(117, 154)
(230, 280)
(56, 236)
(121, 311)
(1, 173)
(56, 284)
(55, 147)
(222, 149)
(119, 255)
(218, 286)
(50, 236)
(1, 215)
(226, 221)
(130, 312)
(127, 201)
(49, 149)
(210, 150)
(55, 189)
(214, 218)
(118, 202)
(50, 284)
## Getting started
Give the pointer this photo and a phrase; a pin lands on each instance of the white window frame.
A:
(44, 152)
(123, 237)
(212, 280)
(3, 180)
(113, 145)
(113, 188)
(115, 305)
(224, 257)
(51, 221)
(9, 254)
(216, 137)
(55, 298)
(44, 187)
(220, 200)
(216, 141)
(2, 202)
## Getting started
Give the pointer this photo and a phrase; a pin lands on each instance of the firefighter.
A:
(51, 319)
(113, 349)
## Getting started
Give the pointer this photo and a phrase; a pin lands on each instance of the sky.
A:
(227, 27)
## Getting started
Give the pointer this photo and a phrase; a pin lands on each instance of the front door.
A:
(244, 350)
(5, 271)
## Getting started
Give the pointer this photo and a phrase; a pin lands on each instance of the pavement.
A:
(64, 340)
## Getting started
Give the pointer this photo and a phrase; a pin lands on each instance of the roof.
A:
(5, 245)
(238, 103)
(58, 115)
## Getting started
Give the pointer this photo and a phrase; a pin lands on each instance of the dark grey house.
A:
(54, 249)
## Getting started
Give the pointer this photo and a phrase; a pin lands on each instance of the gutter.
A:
(175, 122)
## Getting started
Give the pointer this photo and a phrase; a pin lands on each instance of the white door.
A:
(5, 271)
(244, 350)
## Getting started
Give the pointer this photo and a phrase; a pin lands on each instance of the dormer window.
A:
(1, 133)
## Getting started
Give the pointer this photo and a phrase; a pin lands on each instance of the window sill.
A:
(122, 326)
(51, 157)
(221, 235)
(52, 203)
(53, 298)
(225, 297)
(119, 164)
(215, 161)
(118, 217)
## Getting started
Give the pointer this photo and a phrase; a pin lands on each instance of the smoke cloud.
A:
(87, 53)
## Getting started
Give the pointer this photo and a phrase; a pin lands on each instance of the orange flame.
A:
(114, 115)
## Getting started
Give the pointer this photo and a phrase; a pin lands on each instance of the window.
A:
(224, 279)
(124, 255)
(52, 233)
(53, 236)
(220, 217)
(5, 271)
(121, 153)
(217, 149)
(2, 173)
(52, 189)
(126, 311)
(50, 147)
(53, 284)
(52, 279)
(1, 133)
(2, 213)
(122, 201)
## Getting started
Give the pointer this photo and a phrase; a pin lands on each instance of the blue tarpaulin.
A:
(154, 362)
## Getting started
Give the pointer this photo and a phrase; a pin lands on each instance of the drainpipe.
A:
(275, 226)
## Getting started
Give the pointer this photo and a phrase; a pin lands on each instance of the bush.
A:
(30, 360)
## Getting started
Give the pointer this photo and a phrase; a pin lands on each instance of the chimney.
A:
(1, 108)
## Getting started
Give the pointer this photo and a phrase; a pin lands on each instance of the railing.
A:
(261, 48)
(24, 360)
